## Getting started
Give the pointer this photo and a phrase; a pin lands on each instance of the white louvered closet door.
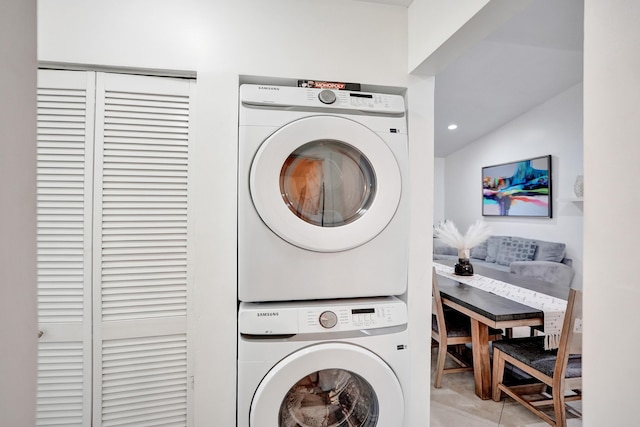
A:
(64, 208)
(141, 360)
(113, 275)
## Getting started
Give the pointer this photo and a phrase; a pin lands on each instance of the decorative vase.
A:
(463, 267)
(578, 186)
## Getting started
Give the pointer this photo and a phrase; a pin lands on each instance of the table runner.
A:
(552, 307)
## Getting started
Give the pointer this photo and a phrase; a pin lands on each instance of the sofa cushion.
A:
(515, 249)
(550, 251)
(549, 271)
(492, 265)
(479, 251)
(493, 242)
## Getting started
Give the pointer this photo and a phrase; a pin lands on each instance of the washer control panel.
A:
(279, 318)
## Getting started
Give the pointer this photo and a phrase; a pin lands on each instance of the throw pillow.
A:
(515, 249)
(550, 251)
(492, 248)
(479, 251)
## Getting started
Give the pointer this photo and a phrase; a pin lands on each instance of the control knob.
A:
(328, 319)
(327, 96)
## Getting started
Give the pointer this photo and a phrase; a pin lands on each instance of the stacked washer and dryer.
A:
(322, 255)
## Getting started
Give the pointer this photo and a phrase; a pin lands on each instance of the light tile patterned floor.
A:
(455, 404)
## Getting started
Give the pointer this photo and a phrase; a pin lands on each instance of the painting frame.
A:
(521, 188)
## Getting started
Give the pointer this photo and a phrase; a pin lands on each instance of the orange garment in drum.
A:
(301, 183)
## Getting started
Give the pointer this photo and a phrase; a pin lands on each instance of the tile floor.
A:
(455, 404)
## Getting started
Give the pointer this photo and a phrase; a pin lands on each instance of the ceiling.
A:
(533, 57)
(404, 3)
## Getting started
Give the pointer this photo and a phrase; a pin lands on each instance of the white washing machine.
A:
(322, 197)
(323, 363)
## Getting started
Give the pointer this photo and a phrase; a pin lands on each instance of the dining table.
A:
(490, 310)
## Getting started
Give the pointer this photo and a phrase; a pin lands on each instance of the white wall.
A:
(316, 39)
(612, 208)
(439, 167)
(555, 128)
(18, 331)
(420, 103)
(328, 39)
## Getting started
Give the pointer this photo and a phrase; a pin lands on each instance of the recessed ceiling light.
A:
(452, 126)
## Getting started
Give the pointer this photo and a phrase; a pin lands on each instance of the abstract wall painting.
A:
(521, 188)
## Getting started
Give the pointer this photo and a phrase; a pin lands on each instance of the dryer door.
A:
(332, 384)
(325, 183)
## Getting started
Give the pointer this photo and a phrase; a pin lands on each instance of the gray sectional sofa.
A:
(527, 257)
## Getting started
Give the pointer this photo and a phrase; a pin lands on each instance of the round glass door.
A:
(325, 183)
(330, 398)
(329, 385)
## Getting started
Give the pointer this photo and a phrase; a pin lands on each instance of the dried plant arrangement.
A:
(477, 233)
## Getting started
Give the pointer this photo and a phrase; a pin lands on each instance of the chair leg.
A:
(442, 355)
(559, 406)
(498, 374)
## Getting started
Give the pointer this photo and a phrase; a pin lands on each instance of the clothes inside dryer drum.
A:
(330, 398)
(327, 183)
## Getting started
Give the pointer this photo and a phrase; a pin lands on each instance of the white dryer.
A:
(323, 363)
(322, 197)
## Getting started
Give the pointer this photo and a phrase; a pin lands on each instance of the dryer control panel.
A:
(298, 317)
(289, 96)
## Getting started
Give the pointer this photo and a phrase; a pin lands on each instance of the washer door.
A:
(329, 385)
(325, 183)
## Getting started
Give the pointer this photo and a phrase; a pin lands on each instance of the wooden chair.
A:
(559, 370)
(450, 331)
